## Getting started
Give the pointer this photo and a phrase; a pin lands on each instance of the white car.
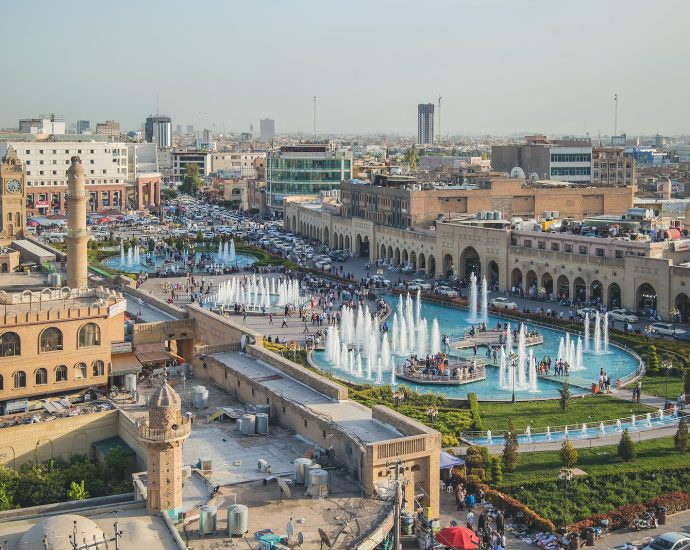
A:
(669, 541)
(503, 303)
(422, 284)
(582, 312)
(666, 329)
(446, 291)
(623, 315)
(413, 288)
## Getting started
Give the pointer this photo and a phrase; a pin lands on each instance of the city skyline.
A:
(500, 66)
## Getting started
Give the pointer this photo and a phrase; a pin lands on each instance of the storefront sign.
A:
(121, 347)
(119, 307)
(20, 405)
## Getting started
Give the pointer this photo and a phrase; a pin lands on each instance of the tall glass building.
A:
(305, 170)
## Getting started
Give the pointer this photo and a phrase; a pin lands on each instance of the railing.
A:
(156, 435)
(479, 374)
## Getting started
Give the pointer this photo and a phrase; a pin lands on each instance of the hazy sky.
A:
(501, 66)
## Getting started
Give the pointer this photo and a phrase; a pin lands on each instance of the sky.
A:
(501, 66)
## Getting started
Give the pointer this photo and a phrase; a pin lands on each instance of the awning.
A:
(125, 363)
(152, 353)
(449, 461)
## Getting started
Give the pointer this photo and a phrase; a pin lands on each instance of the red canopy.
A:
(460, 538)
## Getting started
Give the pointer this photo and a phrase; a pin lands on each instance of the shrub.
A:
(565, 397)
(626, 447)
(681, 438)
(496, 470)
(474, 462)
(652, 361)
(510, 449)
(473, 404)
(568, 454)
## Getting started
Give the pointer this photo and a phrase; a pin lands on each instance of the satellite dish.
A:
(284, 487)
(517, 172)
(324, 538)
(300, 538)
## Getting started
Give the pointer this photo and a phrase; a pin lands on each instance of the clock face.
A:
(13, 186)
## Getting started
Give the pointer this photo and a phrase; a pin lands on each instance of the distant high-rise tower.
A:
(83, 126)
(77, 232)
(267, 129)
(190, 128)
(178, 129)
(163, 435)
(425, 123)
(158, 129)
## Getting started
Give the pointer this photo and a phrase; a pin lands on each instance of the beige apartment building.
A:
(611, 168)
(622, 273)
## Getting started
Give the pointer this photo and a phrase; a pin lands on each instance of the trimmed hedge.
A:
(473, 404)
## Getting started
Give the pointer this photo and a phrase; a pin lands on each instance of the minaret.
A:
(163, 436)
(77, 233)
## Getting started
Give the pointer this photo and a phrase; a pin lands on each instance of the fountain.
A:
(587, 331)
(661, 414)
(473, 298)
(488, 436)
(606, 332)
(379, 372)
(618, 425)
(632, 420)
(528, 433)
(597, 334)
(548, 433)
(485, 301)
(602, 429)
(565, 432)
(231, 257)
(649, 419)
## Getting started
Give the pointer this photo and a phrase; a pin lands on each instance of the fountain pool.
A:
(133, 263)
(414, 329)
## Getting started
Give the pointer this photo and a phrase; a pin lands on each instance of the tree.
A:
(191, 181)
(474, 462)
(568, 454)
(168, 193)
(564, 400)
(681, 438)
(626, 447)
(5, 499)
(76, 491)
(411, 157)
(510, 449)
(496, 470)
(652, 360)
(686, 383)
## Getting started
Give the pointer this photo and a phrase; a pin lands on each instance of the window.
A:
(541, 245)
(41, 377)
(80, 371)
(619, 253)
(51, 340)
(98, 368)
(555, 247)
(19, 379)
(583, 249)
(61, 374)
(527, 244)
(599, 252)
(89, 335)
(2, 383)
(10, 344)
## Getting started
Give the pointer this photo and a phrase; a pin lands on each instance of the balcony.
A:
(154, 435)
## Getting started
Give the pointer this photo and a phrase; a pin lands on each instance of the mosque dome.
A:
(57, 532)
(165, 397)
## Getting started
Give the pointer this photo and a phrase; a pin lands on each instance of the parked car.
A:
(623, 315)
(413, 288)
(585, 310)
(446, 291)
(666, 329)
(422, 284)
(503, 303)
(669, 541)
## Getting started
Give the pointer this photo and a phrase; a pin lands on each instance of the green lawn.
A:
(656, 385)
(540, 414)
(651, 454)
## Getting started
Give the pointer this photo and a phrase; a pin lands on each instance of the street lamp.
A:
(566, 476)
(513, 357)
(431, 414)
(667, 365)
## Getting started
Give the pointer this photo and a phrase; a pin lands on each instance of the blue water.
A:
(574, 432)
(242, 260)
(617, 363)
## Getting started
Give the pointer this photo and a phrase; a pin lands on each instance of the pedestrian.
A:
(500, 522)
(284, 325)
(270, 318)
(470, 519)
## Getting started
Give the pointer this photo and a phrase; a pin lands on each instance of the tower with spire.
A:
(77, 233)
(163, 434)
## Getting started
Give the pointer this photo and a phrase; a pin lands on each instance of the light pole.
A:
(566, 476)
(513, 369)
(667, 365)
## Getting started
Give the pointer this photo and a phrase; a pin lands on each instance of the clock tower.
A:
(12, 198)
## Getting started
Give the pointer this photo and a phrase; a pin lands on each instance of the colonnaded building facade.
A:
(634, 274)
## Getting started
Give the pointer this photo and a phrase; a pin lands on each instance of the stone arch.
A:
(646, 298)
(293, 225)
(579, 289)
(396, 257)
(494, 274)
(547, 283)
(614, 296)
(358, 243)
(364, 247)
(682, 304)
(516, 279)
(382, 252)
(596, 291)
(405, 258)
(413, 260)
(448, 265)
(335, 240)
(347, 243)
(532, 283)
(341, 242)
(421, 263)
(431, 270)
(389, 255)
(326, 237)
(563, 288)
(470, 263)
